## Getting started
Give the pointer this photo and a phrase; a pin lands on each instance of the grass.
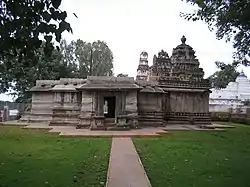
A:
(34, 158)
(198, 159)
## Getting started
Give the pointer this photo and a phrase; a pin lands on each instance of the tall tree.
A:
(94, 58)
(226, 73)
(230, 20)
(73, 60)
(23, 76)
(22, 23)
(25, 27)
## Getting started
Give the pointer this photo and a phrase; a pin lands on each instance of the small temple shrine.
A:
(170, 91)
(231, 97)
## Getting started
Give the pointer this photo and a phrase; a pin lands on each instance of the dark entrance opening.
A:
(109, 107)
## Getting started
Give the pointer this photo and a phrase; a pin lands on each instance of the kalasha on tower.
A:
(187, 92)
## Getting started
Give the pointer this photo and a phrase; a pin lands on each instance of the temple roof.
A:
(44, 88)
(109, 83)
(66, 87)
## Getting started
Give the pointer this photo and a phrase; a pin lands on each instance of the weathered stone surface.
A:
(171, 91)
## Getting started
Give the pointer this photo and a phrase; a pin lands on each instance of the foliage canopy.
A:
(230, 19)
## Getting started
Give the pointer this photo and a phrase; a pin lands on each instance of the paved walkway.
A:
(125, 168)
(71, 131)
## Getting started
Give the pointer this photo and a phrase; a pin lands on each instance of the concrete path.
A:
(125, 168)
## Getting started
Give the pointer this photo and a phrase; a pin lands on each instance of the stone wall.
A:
(41, 107)
(188, 108)
(151, 109)
(189, 102)
(66, 109)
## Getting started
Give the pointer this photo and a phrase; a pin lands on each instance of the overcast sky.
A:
(130, 27)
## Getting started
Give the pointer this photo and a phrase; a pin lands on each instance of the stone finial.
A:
(183, 39)
(144, 55)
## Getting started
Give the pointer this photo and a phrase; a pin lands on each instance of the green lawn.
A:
(198, 159)
(34, 158)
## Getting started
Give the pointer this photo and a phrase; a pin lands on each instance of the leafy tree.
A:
(230, 19)
(23, 22)
(25, 27)
(226, 73)
(94, 58)
(71, 61)
(22, 76)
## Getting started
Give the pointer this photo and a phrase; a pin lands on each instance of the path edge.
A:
(139, 159)
(110, 152)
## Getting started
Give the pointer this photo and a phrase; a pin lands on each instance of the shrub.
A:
(220, 116)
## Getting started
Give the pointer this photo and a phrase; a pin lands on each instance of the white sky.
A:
(130, 27)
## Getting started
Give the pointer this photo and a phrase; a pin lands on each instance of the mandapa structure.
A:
(171, 91)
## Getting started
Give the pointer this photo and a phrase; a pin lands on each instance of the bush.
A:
(238, 118)
(247, 121)
(220, 116)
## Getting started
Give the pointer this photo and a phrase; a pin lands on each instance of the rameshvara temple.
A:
(171, 91)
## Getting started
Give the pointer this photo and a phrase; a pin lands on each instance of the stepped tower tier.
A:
(143, 68)
(161, 65)
(182, 79)
(181, 69)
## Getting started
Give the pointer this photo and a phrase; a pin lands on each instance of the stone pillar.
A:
(100, 103)
(97, 116)
(121, 118)
(131, 108)
(87, 109)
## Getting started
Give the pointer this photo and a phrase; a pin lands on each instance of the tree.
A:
(22, 76)
(94, 59)
(71, 61)
(226, 73)
(25, 27)
(230, 19)
(22, 22)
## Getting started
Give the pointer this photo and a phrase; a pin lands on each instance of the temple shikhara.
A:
(171, 91)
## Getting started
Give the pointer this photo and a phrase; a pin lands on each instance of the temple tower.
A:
(143, 68)
(187, 98)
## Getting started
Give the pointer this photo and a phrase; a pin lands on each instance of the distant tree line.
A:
(77, 59)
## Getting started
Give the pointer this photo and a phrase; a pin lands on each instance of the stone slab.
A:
(125, 168)
(193, 127)
(222, 126)
(17, 123)
(89, 133)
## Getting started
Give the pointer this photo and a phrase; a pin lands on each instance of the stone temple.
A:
(171, 91)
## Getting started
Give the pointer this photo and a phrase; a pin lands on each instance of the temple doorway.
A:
(109, 107)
